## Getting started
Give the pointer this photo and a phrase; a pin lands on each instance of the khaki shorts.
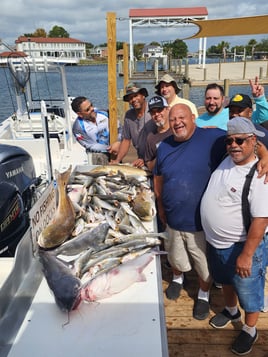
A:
(185, 248)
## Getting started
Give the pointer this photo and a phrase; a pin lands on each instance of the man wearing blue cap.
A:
(236, 243)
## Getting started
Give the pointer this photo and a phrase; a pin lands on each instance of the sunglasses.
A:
(238, 141)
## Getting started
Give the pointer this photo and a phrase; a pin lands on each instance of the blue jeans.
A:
(250, 290)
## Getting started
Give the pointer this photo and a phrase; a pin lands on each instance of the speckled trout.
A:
(126, 170)
(63, 223)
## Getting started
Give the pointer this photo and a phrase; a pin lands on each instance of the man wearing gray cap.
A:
(235, 222)
(168, 88)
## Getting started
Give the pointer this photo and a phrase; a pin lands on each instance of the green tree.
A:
(154, 43)
(137, 50)
(58, 31)
(179, 49)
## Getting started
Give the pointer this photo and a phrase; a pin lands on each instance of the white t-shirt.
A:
(221, 205)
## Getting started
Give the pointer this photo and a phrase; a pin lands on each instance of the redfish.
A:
(61, 227)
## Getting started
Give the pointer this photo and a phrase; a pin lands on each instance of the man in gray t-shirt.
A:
(134, 129)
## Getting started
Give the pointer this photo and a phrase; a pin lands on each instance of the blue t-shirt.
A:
(186, 168)
(219, 120)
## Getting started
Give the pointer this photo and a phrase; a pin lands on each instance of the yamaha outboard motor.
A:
(17, 179)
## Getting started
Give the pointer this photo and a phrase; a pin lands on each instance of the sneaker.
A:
(201, 309)
(173, 291)
(223, 318)
(243, 343)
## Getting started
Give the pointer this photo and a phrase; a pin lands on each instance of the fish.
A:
(116, 280)
(143, 205)
(64, 285)
(127, 170)
(85, 240)
(62, 225)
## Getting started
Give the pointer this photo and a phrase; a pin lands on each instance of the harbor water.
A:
(91, 81)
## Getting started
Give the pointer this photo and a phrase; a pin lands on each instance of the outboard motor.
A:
(17, 179)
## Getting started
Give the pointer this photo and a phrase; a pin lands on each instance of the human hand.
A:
(257, 89)
(138, 163)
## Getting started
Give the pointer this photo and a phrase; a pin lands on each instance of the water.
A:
(91, 81)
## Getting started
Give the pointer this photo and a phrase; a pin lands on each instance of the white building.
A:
(60, 50)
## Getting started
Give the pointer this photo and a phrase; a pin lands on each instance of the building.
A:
(55, 49)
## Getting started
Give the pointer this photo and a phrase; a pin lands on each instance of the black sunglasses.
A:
(238, 141)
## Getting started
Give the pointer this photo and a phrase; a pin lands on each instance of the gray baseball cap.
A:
(241, 125)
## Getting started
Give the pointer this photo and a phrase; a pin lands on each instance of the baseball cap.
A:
(157, 102)
(133, 88)
(241, 125)
(241, 101)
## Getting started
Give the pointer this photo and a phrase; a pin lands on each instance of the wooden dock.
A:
(188, 337)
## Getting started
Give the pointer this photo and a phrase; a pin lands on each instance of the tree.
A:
(58, 31)
(137, 50)
(154, 43)
(179, 49)
(40, 33)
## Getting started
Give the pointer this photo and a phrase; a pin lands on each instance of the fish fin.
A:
(141, 277)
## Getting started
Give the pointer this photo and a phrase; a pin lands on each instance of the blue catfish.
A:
(64, 285)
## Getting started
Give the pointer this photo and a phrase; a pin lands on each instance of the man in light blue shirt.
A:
(217, 115)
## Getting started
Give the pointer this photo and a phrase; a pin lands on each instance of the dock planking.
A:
(188, 337)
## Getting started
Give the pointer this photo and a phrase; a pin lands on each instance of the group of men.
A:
(199, 166)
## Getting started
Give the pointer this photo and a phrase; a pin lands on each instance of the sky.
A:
(85, 20)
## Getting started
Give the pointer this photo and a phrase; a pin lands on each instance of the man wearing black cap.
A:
(134, 121)
(169, 89)
(159, 110)
(236, 246)
(240, 105)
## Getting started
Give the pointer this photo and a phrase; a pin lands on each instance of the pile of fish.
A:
(98, 245)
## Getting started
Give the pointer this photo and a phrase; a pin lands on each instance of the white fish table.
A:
(131, 323)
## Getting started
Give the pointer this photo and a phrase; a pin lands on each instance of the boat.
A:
(34, 141)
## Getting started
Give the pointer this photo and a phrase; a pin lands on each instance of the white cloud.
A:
(86, 19)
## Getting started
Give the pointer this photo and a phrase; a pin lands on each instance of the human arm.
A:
(123, 150)
(158, 188)
(260, 114)
(262, 166)
(254, 237)
(114, 148)
(150, 164)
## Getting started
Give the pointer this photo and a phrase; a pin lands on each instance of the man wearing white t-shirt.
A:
(236, 255)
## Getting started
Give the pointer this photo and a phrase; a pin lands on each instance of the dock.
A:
(188, 337)
(237, 73)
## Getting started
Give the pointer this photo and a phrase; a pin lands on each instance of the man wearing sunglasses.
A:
(240, 105)
(236, 254)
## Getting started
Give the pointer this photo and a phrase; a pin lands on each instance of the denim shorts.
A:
(250, 290)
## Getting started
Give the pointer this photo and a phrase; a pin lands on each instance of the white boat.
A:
(34, 141)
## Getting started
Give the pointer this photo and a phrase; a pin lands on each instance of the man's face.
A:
(241, 151)
(213, 101)
(235, 111)
(87, 111)
(160, 116)
(182, 122)
(167, 90)
(136, 100)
